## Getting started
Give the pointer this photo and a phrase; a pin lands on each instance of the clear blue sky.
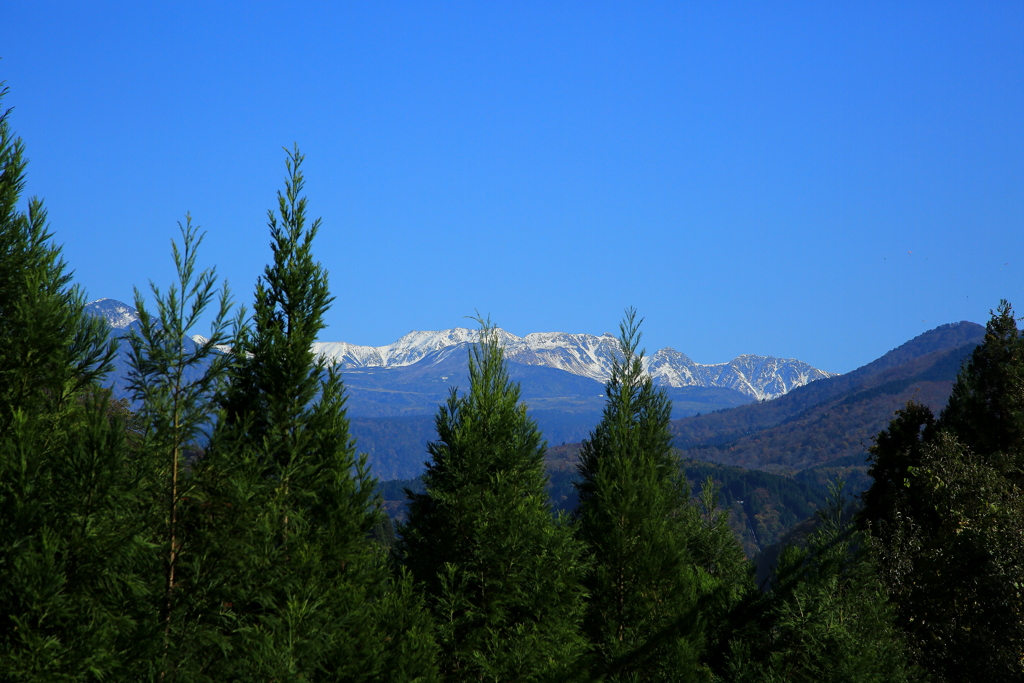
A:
(814, 180)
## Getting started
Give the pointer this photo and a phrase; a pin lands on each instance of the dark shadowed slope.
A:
(831, 418)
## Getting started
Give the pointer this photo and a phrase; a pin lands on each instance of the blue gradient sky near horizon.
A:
(821, 181)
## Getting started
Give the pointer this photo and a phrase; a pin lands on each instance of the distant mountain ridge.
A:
(123, 320)
(815, 430)
(584, 355)
(393, 391)
(835, 419)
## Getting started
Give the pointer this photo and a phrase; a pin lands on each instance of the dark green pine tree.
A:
(70, 546)
(312, 597)
(986, 407)
(502, 575)
(895, 455)
(661, 575)
(946, 512)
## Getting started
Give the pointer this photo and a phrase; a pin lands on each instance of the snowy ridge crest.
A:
(586, 355)
(119, 315)
(410, 348)
(200, 340)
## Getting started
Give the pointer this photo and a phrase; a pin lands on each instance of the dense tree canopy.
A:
(70, 541)
(825, 617)
(313, 599)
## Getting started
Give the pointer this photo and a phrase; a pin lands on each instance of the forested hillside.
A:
(761, 506)
(865, 399)
(396, 445)
(826, 425)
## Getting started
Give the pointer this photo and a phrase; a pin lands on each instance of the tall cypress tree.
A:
(986, 406)
(313, 599)
(502, 576)
(69, 544)
(659, 572)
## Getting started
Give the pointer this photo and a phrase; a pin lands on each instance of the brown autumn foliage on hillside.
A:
(826, 432)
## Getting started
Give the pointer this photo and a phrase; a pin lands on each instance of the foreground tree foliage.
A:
(947, 514)
(501, 575)
(826, 616)
(175, 381)
(70, 541)
(662, 576)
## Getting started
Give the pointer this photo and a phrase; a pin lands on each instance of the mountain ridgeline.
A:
(584, 355)
(772, 459)
(394, 390)
(833, 419)
(818, 428)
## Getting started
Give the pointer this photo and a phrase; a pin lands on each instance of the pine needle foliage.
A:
(314, 599)
(502, 575)
(176, 382)
(49, 341)
(986, 406)
(660, 572)
(826, 616)
(69, 546)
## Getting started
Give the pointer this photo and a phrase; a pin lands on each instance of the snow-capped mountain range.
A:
(585, 355)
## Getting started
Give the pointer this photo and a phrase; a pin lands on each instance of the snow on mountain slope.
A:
(580, 354)
(200, 340)
(119, 315)
(585, 355)
(409, 348)
(590, 356)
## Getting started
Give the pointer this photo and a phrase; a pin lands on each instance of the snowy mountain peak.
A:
(200, 340)
(119, 315)
(408, 349)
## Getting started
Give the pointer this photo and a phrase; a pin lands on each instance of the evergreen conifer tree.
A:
(70, 546)
(986, 406)
(313, 599)
(661, 575)
(176, 382)
(501, 574)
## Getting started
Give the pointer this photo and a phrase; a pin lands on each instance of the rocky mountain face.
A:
(120, 316)
(585, 355)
